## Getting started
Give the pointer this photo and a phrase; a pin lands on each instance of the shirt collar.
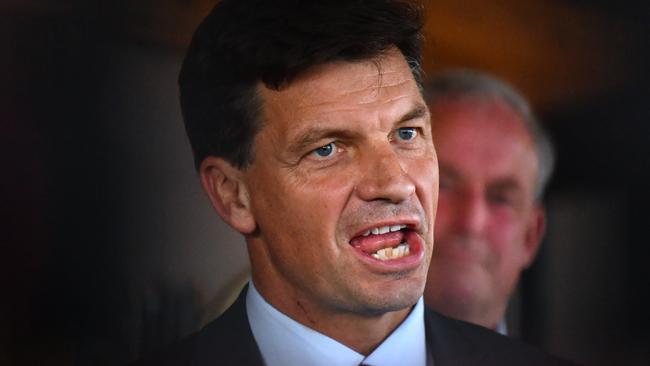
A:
(502, 327)
(283, 341)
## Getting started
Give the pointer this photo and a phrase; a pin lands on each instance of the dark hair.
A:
(243, 42)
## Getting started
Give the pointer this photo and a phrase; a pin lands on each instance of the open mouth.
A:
(385, 243)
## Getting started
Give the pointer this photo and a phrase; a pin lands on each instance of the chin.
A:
(395, 297)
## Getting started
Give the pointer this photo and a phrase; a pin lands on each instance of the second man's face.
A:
(343, 188)
(487, 224)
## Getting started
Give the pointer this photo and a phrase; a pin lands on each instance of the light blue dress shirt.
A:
(502, 327)
(285, 342)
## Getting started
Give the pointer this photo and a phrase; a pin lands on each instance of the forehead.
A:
(483, 137)
(372, 89)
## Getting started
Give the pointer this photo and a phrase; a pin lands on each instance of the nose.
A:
(383, 177)
(471, 213)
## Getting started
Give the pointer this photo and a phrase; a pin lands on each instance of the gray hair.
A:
(462, 84)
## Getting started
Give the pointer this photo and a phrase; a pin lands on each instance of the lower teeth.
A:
(392, 253)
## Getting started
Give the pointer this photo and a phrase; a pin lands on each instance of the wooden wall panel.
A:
(556, 53)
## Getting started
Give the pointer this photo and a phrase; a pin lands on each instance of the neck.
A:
(362, 333)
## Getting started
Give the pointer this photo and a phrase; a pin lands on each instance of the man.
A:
(495, 160)
(312, 139)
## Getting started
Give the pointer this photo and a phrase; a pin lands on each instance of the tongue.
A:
(373, 243)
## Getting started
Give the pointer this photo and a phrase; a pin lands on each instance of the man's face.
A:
(488, 225)
(343, 150)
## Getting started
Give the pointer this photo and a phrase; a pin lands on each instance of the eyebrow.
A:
(318, 133)
(449, 172)
(505, 184)
(418, 111)
(501, 184)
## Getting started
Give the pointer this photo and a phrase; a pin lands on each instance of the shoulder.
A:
(178, 353)
(226, 340)
(454, 342)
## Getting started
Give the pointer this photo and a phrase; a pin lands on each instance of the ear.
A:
(534, 232)
(228, 193)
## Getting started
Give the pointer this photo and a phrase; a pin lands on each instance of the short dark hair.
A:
(243, 42)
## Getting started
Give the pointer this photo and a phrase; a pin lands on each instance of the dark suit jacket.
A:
(228, 340)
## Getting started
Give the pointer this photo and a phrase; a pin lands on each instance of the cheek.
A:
(306, 206)
(444, 215)
(322, 196)
(505, 233)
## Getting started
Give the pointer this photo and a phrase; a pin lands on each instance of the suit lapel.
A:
(228, 339)
(448, 344)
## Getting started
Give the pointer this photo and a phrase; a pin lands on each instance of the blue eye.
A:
(407, 133)
(325, 151)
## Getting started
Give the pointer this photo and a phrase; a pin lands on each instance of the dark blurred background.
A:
(110, 249)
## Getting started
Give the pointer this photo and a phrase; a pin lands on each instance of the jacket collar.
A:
(228, 339)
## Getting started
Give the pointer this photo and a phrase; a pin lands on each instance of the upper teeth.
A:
(384, 229)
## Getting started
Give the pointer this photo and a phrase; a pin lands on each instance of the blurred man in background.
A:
(495, 161)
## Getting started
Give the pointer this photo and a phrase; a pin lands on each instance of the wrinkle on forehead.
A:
(341, 91)
(372, 93)
(370, 82)
(378, 86)
(375, 91)
(363, 102)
